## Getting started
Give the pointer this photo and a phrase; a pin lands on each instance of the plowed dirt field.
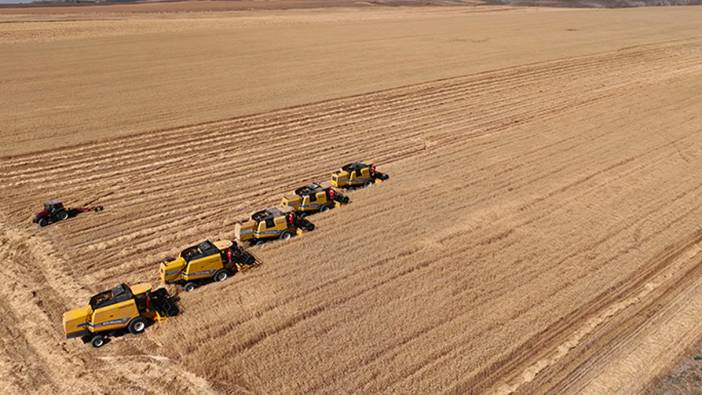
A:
(540, 231)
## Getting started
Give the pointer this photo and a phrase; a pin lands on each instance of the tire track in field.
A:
(648, 163)
(181, 203)
(222, 170)
(577, 66)
(340, 105)
(351, 243)
(613, 336)
(440, 261)
(634, 294)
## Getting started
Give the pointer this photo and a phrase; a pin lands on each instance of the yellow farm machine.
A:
(314, 198)
(272, 223)
(205, 262)
(357, 174)
(123, 308)
(133, 308)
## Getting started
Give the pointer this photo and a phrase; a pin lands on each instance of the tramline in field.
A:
(132, 309)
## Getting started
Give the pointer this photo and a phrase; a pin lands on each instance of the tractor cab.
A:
(120, 293)
(204, 249)
(267, 215)
(309, 189)
(357, 167)
(53, 206)
(357, 174)
(53, 211)
(313, 198)
(272, 223)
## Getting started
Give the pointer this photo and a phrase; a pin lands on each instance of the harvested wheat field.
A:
(540, 231)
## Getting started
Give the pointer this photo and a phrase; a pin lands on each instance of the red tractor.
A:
(54, 211)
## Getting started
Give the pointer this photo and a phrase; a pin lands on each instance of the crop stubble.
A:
(540, 228)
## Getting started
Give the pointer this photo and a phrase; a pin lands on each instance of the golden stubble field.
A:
(539, 233)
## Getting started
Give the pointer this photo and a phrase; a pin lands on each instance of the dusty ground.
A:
(684, 379)
(75, 81)
(540, 231)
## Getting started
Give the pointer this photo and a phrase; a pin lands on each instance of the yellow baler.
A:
(121, 308)
(313, 198)
(204, 262)
(272, 223)
(357, 174)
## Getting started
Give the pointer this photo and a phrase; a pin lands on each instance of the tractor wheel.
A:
(43, 222)
(137, 326)
(97, 341)
(221, 275)
(323, 209)
(189, 287)
(63, 216)
(285, 235)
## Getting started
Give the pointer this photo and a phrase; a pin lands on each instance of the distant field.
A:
(594, 3)
(137, 7)
(540, 232)
(76, 81)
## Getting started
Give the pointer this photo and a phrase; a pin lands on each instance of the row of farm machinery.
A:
(133, 308)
